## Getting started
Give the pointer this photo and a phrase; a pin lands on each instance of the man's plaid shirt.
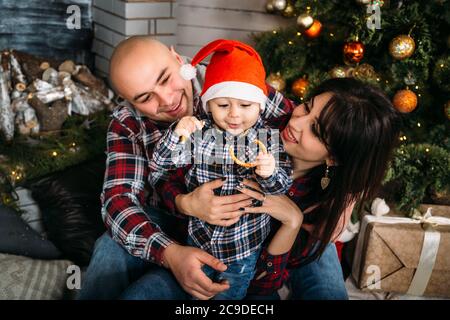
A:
(209, 151)
(126, 192)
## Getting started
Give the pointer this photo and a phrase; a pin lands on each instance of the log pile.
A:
(37, 95)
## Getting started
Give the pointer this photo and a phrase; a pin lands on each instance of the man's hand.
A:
(217, 210)
(186, 263)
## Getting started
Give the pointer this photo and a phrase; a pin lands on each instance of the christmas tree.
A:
(400, 46)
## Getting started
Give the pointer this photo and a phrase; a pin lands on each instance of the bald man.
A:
(146, 74)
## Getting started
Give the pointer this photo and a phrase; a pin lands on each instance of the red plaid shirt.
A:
(127, 194)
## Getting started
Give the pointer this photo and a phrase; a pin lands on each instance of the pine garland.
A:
(81, 138)
(416, 169)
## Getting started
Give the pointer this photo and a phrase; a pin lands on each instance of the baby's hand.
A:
(187, 125)
(265, 165)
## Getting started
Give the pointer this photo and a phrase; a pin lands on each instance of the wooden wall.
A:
(39, 27)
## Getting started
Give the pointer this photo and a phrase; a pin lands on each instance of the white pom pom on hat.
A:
(188, 71)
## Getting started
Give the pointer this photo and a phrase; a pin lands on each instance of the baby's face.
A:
(234, 115)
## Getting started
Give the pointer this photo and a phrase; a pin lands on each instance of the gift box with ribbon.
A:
(404, 255)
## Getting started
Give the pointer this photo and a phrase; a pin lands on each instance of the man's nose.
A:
(165, 95)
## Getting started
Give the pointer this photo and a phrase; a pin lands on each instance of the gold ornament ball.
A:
(447, 109)
(269, 7)
(314, 31)
(305, 21)
(353, 52)
(402, 47)
(289, 11)
(349, 72)
(365, 72)
(279, 5)
(299, 87)
(276, 81)
(338, 72)
(405, 101)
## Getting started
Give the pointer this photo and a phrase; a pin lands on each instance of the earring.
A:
(325, 181)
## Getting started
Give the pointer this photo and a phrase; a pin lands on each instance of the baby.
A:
(234, 95)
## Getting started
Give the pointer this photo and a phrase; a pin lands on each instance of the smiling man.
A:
(146, 74)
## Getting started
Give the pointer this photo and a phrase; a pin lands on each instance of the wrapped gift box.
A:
(404, 255)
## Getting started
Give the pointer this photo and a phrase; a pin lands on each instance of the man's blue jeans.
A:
(115, 274)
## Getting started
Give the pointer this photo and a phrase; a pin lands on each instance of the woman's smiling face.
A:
(301, 137)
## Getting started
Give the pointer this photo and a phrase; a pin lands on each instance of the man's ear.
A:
(176, 55)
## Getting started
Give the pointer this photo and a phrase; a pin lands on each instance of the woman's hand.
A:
(279, 207)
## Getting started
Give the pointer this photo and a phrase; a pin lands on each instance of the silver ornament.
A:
(279, 5)
(305, 21)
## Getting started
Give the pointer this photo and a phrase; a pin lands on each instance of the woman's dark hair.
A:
(359, 127)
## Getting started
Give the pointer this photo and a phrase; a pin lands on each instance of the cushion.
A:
(23, 278)
(71, 208)
(16, 237)
(30, 212)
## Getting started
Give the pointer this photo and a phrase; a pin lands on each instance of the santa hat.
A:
(235, 71)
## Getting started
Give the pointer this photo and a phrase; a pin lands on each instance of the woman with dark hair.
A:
(340, 142)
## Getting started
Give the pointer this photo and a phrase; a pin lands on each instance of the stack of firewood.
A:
(37, 95)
